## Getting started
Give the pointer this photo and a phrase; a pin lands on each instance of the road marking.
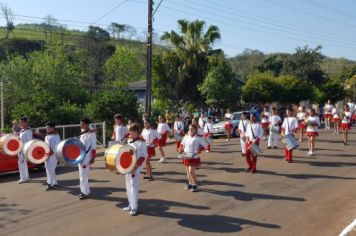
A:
(348, 229)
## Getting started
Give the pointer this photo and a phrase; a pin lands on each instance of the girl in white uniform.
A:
(346, 123)
(228, 123)
(207, 132)
(190, 150)
(265, 121)
(178, 130)
(336, 119)
(289, 126)
(25, 136)
(328, 114)
(242, 130)
(151, 137)
(254, 133)
(274, 122)
(301, 122)
(52, 139)
(121, 132)
(133, 178)
(164, 130)
(313, 122)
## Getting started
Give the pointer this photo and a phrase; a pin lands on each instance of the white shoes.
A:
(128, 208)
(162, 160)
(207, 151)
(310, 153)
(21, 181)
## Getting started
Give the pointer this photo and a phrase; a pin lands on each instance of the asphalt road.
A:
(312, 196)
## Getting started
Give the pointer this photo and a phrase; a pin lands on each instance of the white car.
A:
(219, 128)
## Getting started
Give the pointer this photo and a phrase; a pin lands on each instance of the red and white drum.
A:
(120, 158)
(71, 151)
(36, 151)
(11, 144)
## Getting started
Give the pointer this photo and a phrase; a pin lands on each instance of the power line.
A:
(159, 4)
(110, 11)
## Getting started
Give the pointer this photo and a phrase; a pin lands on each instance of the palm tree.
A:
(192, 45)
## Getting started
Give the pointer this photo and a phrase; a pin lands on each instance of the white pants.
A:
(133, 187)
(51, 165)
(23, 167)
(243, 148)
(273, 140)
(84, 168)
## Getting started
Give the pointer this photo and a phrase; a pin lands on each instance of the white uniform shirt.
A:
(335, 113)
(26, 135)
(202, 122)
(208, 128)
(228, 117)
(290, 124)
(200, 132)
(316, 123)
(257, 131)
(150, 135)
(178, 127)
(191, 145)
(243, 126)
(163, 128)
(328, 109)
(347, 117)
(53, 140)
(121, 132)
(265, 118)
(274, 120)
(301, 116)
(140, 148)
(351, 106)
(89, 141)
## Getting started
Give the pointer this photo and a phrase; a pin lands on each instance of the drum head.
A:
(72, 151)
(11, 144)
(126, 159)
(36, 151)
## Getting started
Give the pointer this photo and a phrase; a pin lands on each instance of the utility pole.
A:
(2, 103)
(149, 60)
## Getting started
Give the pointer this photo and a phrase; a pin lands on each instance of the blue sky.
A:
(266, 25)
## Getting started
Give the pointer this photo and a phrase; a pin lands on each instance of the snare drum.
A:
(36, 151)
(71, 151)
(120, 158)
(275, 129)
(255, 149)
(11, 144)
(290, 142)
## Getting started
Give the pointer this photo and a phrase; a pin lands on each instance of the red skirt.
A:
(191, 162)
(345, 126)
(312, 134)
(162, 142)
(327, 116)
(151, 152)
(336, 120)
(301, 125)
(228, 126)
(265, 125)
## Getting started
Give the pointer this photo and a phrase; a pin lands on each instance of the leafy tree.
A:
(98, 34)
(273, 63)
(9, 17)
(116, 29)
(350, 86)
(245, 64)
(18, 46)
(294, 90)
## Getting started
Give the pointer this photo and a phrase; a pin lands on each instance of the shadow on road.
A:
(303, 176)
(9, 211)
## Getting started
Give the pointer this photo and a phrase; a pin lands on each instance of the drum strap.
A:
(288, 124)
(243, 125)
(253, 134)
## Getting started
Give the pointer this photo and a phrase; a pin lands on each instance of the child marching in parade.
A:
(151, 137)
(178, 130)
(289, 126)
(253, 136)
(301, 122)
(313, 122)
(265, 121)
(274, 124)
(346, 123)
(133, 178)
(121, 132)
(52, 139)
(228, 123)
(190, 149)
(88, 138)
(242, 130)
(328, 114)
(25, 136)
(336, 119)
(164, 130)
(207, 132)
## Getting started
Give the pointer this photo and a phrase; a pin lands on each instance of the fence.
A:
(67, 131)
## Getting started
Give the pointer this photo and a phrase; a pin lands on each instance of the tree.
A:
(116, 29)
(9, 17)
(220, 87)
(350, 86)
(245, 64)
(273, 63)
(192, 45)
(49, 25)
(294, 90)
(98, 34)
(123, 66)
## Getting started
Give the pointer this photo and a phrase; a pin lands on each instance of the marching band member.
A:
(129, 123)
(289, 126)
(207, 131)
(133, 178)
(121, 132)
(25, 136)
(328, 114)
(274, 122)
(200, 131)
(190, 149)
(202, 120)
(52, 139)
(301, 122)
(15, 127)
(253, 135)
(352, 107)
(265, 121)
(151, 137)
(163, 129)
(178, 130)
(346, 123)
(336, 119)
(228, 123)
(88, 138)
(242, 130)
(313, 122)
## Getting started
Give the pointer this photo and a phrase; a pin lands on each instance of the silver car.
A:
(219, 128)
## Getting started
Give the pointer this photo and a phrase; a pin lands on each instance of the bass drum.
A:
(11, 144)
(36, 151)
(71, 151)
(120, 158)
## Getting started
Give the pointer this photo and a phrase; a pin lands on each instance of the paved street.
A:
(312, 196)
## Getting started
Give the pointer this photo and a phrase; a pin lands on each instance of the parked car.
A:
(9, 163)
(219, 128)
